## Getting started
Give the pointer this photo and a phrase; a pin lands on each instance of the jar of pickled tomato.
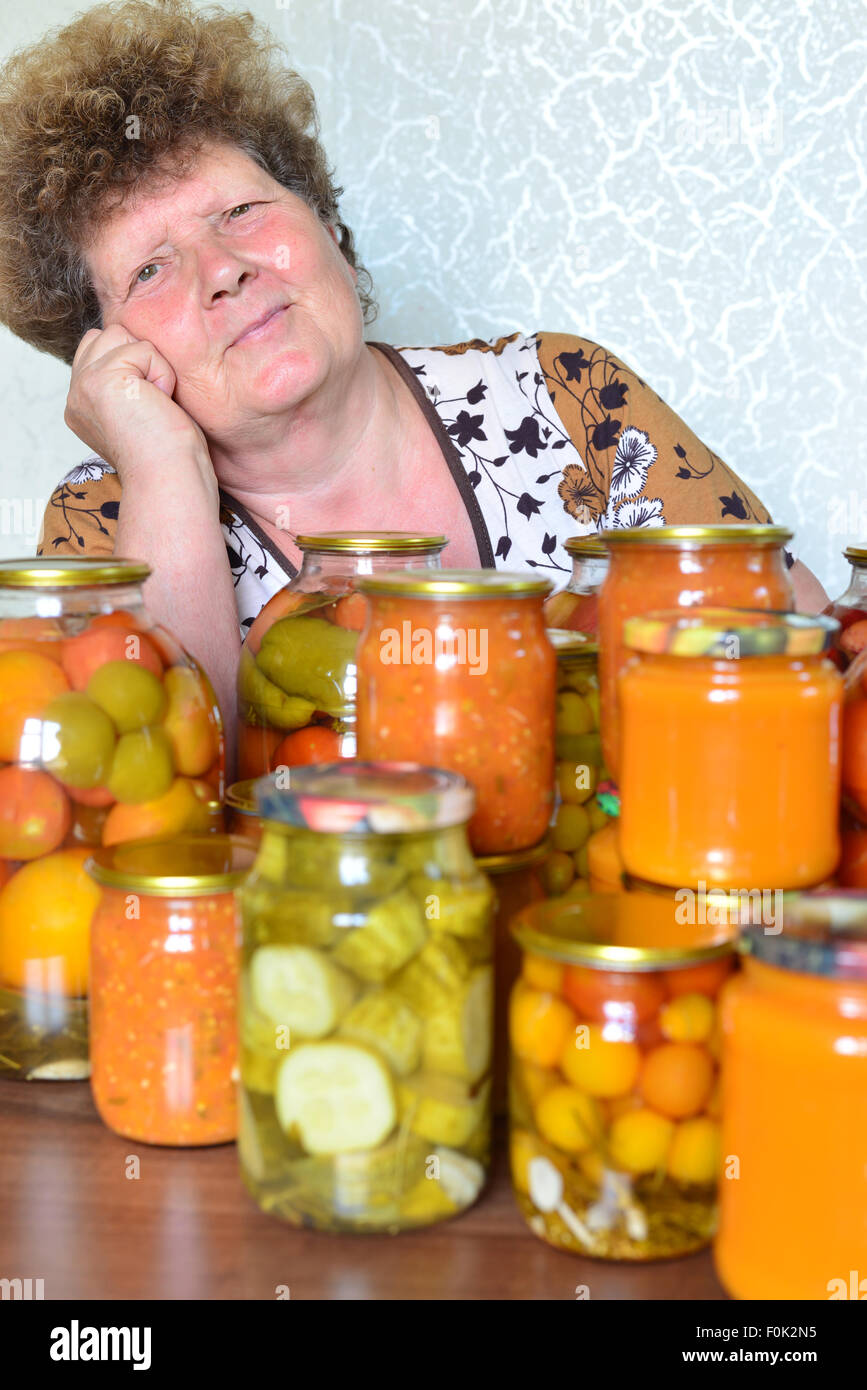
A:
(794, 1051)
(730, 770)
(681, 567)
(109, 732)
(296, 677)
(164, 986)
(517, 880)
(614, 1086)
(853, 827)
(241, 813)
(850, 609)
(456, 669)
(366, 1000)
(584, 799)
(577, 606)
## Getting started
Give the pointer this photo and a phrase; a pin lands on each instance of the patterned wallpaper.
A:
(684, 181)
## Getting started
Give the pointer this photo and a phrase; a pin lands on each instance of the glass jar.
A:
(577, 606)
(731, 750)
(584, 799)
(109, 731)
(457, 670)
(850, 609)
(367, 992)
(517, 881)
(296, 677)
(853, 824)
(164, 988)
(794, 1044)
(241, 812)
(734, 566)
(614, 1097)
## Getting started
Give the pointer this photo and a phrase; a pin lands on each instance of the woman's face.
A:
(193, 266)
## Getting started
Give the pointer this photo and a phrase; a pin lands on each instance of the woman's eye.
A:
(242, 207)
(143, 276)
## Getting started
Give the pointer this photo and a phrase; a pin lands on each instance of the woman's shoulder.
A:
(81, 515)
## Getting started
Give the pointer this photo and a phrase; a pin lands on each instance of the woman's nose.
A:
(221, 270)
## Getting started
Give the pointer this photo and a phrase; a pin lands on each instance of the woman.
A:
(169, 226)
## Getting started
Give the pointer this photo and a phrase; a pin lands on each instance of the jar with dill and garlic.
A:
(614, 1081)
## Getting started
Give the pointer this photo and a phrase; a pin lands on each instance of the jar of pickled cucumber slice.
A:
(366, 1018)
(297, 675)
(614, 1094)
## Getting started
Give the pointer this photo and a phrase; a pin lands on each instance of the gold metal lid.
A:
(619, 931)
(240, 797)
(189, 866)
(518, 859)
(856, 555)
(730, 633)
(371, 542)
(456, 584)
(737, 534)
(586, 548)
(76, 573)
(568, 644)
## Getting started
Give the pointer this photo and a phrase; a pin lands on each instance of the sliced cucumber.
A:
(392, 934)
(383, 1021)
(337, 1096)
(459, 1040)
(430, 983)
(441, 1108)
(301, 988)
(462, 909)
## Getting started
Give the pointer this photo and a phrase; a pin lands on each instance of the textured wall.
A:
(685, 182)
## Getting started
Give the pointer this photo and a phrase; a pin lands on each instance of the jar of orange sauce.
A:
(730, 771)
(165, 957)
(455, 670)
(794, 1141)
(681, 567)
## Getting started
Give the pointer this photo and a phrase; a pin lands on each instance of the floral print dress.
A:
(546, 436)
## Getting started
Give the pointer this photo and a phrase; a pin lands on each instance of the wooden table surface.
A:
(186, 1229)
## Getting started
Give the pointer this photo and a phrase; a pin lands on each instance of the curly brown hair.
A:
(188, 75)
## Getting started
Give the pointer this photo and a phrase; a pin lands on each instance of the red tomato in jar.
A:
(35, 814)
(855, 751)
(312, 745)
(624, 996)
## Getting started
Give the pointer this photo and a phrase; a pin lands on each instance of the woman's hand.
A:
(120, 402)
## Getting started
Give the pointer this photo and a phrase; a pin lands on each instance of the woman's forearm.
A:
(810, 597)
(169, 517)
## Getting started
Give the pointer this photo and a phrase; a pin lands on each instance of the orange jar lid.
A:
(819, 934)
(729, 632)
(619, 931)
(180, 866)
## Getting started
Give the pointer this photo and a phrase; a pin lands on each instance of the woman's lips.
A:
(258, 330)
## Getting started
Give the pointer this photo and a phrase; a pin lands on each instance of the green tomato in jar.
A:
(77, 740)
(143, 767)
(559, 872)
(574, 714)
(576, 782)
(571, 828)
